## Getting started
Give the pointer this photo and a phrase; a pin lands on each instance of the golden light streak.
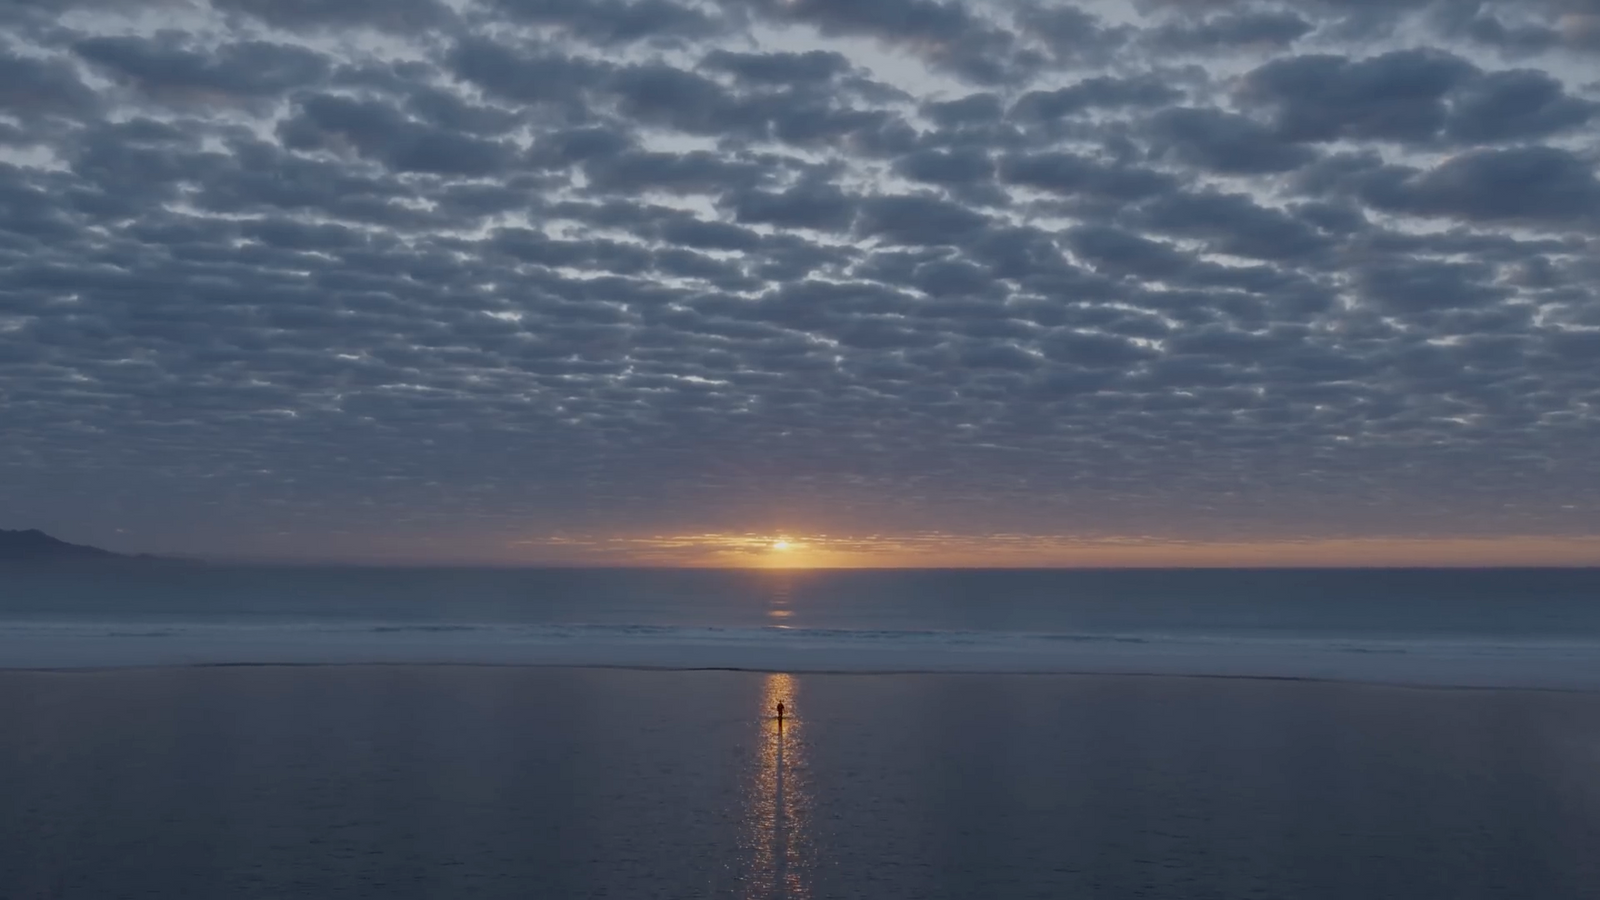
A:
(777, 802)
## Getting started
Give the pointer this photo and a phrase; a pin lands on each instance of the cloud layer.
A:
(492, 270)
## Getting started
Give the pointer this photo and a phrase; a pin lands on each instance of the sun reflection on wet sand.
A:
(777, 802)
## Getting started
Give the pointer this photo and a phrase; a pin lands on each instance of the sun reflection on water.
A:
(778, 607)
(778, 802)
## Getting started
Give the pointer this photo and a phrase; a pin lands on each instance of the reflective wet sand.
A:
(413, 782)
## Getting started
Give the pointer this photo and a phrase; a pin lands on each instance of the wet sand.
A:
(459, 781)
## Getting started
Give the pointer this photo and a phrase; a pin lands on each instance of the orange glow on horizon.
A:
(942, 550)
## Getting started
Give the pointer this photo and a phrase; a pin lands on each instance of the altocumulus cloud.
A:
(491, 269)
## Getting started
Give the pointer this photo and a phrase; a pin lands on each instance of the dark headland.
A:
(34, 546)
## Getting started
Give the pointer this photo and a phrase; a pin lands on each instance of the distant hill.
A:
(34, 545)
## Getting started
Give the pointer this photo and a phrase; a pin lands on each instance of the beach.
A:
(507, 781)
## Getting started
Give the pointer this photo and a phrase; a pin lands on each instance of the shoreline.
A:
(1422, 664)
(1078, 675)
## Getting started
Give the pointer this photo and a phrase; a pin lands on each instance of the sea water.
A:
(1479, 628)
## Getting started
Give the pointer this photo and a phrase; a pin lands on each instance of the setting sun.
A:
(780, 544)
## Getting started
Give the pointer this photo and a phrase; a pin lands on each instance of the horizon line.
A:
(657, 567)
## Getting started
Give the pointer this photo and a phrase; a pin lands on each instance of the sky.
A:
(803, 282)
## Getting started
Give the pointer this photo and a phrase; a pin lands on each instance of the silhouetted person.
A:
(780, 713)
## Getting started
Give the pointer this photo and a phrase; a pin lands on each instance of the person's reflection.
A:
(777, 803)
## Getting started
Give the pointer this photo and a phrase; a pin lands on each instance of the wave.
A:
(1442, 662)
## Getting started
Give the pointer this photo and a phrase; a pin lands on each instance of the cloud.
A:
(1233, 224)
(530, 78)
(967, 172)
(31, 87)
(1072, 36)
(1514, 105)
(972, 109)
(918, 219)
(1535, 185)
(1093, 93)
(1068, 173)
(949, 35)
(399, 16)
(1395, 96)
(1254, 29)
(1223, 142)
(814, 205)
(169, 71)
(1412, 96)
(612, 22)
(697, 172)
(380, 132)
(1415, 285)
(1120, 252)
(492, 268)
(778, 69)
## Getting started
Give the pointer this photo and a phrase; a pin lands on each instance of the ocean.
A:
(202, 732)
(1479, 628)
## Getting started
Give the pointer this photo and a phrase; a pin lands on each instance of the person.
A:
(780, 712)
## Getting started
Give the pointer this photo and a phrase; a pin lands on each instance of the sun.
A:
(781, 544)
